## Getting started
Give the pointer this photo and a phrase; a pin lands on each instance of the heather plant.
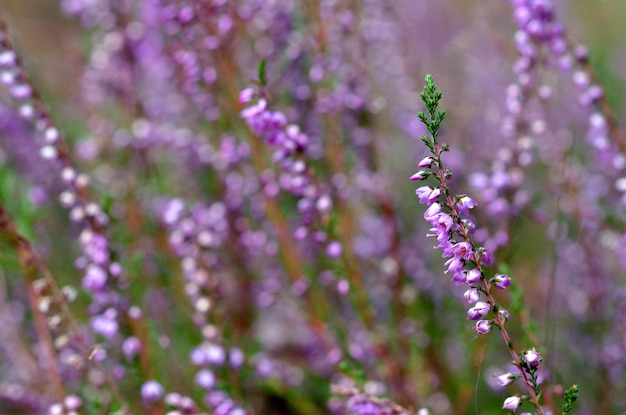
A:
(212, 215)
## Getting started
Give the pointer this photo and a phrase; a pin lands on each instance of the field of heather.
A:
(308, 207)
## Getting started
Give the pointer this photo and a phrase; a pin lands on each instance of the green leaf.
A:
(261, 72)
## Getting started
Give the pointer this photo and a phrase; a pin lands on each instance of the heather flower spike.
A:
(452, 228)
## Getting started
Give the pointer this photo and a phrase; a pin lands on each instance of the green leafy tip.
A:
(571, 395)
(433, 117)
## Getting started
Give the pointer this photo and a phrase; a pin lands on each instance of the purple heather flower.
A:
(95, 279)
(471, 296)
(426, 162)
(95, 246)
(434, 195)
(486, 258)
(343, 286)
(479, 310)
(512, 403)
(501, 281)
(505, 379)
(152, 391)
(245, 95)
(420, 175)
(131, 347)
(532, 358)
(8, 58)
(473, 276)
(235, 357)
(433, 212)
(458, 278)
(334, 249)
(205, 379)
(441, 227)
(454, 264)
(424, 193)
(463, 250)
(483, 326)
(72, 402)
(215, 354)
(464, 204)
(105, 325)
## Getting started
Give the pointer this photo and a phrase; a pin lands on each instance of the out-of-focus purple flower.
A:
(235, 357)
(105, 324)
(205, 379)
(246, 95)
(72, 402)
(95, 279)
(505, 379)
(512, 403)
(152, 391)
(131, 347)
(333, 250)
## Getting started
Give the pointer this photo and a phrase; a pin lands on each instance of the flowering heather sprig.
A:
(289, 144)
(452, 229)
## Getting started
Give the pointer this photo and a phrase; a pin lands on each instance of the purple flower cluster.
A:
(290, 144)
(451, 229)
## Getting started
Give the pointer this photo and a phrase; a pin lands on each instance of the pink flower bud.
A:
(479, 310)
(426, 162)
(483, 326)
(512, 403)
(420, 175)
(501, 281)
(532, 358)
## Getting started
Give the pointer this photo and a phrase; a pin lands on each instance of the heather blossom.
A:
(512, 403)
